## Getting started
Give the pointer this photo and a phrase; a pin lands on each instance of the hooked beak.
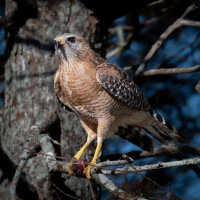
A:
(59, 43)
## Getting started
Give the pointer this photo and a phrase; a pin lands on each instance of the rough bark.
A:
(29, 68)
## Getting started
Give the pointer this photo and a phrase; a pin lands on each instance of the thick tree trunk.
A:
(29, 91)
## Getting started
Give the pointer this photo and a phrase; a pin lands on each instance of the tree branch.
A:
(160, 165)
(6, 21)
(16, 177)
(197, 87)
(97, 173)
(39, 140)
(31, 145)
(155, 47)
(123, 42)
(170, 150)
(152, 72)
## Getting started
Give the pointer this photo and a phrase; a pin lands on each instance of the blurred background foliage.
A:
(173, 96)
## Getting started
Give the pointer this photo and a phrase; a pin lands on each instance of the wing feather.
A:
(117, 82)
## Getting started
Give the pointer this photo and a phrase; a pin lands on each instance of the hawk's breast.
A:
(84, 94)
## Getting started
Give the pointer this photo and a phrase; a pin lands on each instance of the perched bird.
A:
(105, 99)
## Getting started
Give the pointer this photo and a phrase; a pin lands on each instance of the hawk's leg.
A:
(105, 129)
(94, 160)
(90, 138)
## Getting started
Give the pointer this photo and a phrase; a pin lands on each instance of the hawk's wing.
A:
(117, 82)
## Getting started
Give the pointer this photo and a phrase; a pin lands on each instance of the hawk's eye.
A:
(71, 39)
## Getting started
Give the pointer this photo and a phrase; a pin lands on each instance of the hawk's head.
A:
(70, 47)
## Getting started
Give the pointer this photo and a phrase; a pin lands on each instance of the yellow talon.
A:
(70, 171)
(88, 169)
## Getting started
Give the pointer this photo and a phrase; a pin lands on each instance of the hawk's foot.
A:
(70, 166)
(88, 169)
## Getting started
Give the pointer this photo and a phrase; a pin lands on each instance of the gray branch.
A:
(38, 138)
(160, 165)
(152, 72)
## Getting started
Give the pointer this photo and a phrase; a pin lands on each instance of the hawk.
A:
(105, 99)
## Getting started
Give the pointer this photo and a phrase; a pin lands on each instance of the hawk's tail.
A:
(157, 127)
(162, 130)
(135, 135)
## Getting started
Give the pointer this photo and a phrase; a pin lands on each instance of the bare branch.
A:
(31, 145)
(98, 172)
(71, 197)
(123, 42)
(153, 72)
(91, 189)
(170, 150)
(197, 87)
(29, 152)
(187, 22)
(155, 47)
(17, 175)
(155, 3)
(160, 165)
(6, 21)
(111, 163)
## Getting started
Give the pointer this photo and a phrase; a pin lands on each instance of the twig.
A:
(170, 150)
(187, 22)
(152, 181)
(173, 150)
(111, 163)
(17, 175)
(123, 42)
(29, 152)
(71, 197)
(91, 189)
(160, 165)
(127, 158)
(152, 72)
(155, 3)
(155, 47)
(197, 87)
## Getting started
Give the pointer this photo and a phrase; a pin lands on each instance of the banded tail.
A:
(162, 130)
(157, 127)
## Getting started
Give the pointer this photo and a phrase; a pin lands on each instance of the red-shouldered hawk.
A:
(106, 100)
